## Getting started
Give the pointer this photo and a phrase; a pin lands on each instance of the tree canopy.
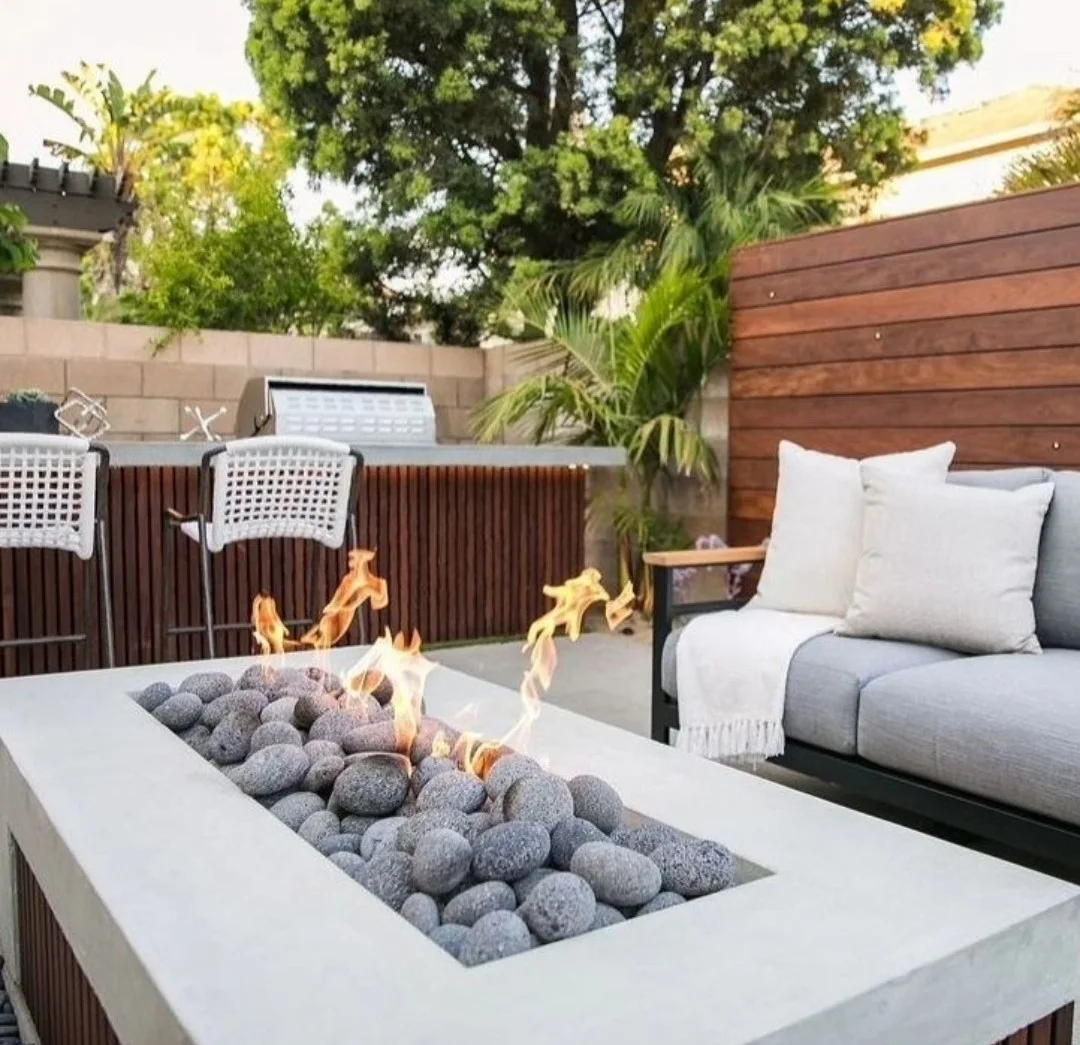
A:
(1058, 163)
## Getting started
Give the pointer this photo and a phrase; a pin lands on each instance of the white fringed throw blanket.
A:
(732, 676)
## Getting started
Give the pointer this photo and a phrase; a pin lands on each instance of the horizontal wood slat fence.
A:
(960, 324)
(466, 552)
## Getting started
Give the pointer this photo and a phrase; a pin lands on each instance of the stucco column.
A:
(51, 289)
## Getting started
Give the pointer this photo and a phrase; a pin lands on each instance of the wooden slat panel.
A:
(1009, 216)
(1051, 289)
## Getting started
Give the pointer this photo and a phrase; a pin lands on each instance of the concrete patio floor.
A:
(607, 677)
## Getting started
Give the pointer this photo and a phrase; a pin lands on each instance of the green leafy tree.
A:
(18, 252)
(1059, 164)
(488, 130)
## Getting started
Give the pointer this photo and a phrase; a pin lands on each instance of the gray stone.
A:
(430, 731)
(259, 676)
(544, 799)
(180, 712)
(380, 836)
(618, 876)
(568, 835)
(281, 710)
(374, 786)
(196, 738)
(441, 860)
(339, 843)
(154, 695)
(510, 851)
(694, 868)
(560, 906)
(293, 810)
(389, 876)
(336, 725)
(646, 838)
(275, 768)
(427, 820)
(375, 736)
(473, 903)
(524, 886)
(207, 685)
(428, 768)
(357, 825)
(660, 902)
(311, 705)
(605, 916)
(508, 770)
(454, 790)
(327, 679)
(422, 911)
(294, 679)
(449, 938)
(384, 692)
(496, 811)
(231, 739)
(496, 935)
(319, 826)
(276, 732)
(350, 863)
(477, 824)
(239, 700)
(597, 801)
(323, 749)
(323, 772)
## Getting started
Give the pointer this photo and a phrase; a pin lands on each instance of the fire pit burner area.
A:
(478, 847)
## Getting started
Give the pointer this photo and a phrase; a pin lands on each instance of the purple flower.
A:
(734, 573)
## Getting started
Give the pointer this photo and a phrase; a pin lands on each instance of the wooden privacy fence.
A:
(465, 550)
(959, 324)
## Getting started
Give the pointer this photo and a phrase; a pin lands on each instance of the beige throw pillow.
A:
(817, 524)
(950, 566)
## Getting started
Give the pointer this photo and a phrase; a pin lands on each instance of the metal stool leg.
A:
(105, 595)
(207, 591)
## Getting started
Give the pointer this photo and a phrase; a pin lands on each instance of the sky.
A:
(198, 45)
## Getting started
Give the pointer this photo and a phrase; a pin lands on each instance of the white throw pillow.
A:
(817, 524)
(950, 566)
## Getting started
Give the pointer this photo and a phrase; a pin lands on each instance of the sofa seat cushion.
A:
(1001, 727)
(821, 706)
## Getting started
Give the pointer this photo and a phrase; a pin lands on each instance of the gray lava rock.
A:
(472, 904)
(294, 679)
(389, 876)
(694, 868)
(323, 772)
(568, 835)
(427, 820)
(239, 700)
(231, 739)
(431, 729)
(357, 825)
(544, 799)
(181, 711)
(508, 770)
(336, 725)
(605, 916)
(560, 906)
(597, 801)
(258, 676)
(311, 705)
(319, 826)
(646, 838)
(275, 768)
(380, 835)
(476, 825)
(449, 938)
(618, 876)
(196, 738)
(350, 863)
(422, 911)
(339, 843)
(323, 749)
(384, 692)
(293, 810)
(207, 685)
(510, 851)
(154, 695)
(375, 736)
(327, 679)
(660, 902)
(524, 886)
(374, 786)
(281, 710)
(276, 732)
(441, 860)
(454, 790)
(496, 935)
(429, 768)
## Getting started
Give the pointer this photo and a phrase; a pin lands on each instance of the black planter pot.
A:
(34, 415)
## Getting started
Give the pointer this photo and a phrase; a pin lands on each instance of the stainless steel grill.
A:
(354, 412)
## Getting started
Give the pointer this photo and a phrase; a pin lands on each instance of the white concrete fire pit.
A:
(198, 917)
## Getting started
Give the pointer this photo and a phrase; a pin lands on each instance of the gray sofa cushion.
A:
(1057, 583)
(1003, 727)
(1002, 478)
(824, 680)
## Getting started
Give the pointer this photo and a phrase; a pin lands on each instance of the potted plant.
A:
(28, 410)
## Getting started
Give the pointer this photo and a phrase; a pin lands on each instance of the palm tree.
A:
(1059, 164)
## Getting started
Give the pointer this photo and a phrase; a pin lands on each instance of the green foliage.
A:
(27, 395)
(1059, 164)
(18, 252)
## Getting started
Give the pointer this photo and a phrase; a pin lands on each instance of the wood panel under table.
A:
(466, 551)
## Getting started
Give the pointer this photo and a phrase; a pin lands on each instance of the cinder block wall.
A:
(145, 388)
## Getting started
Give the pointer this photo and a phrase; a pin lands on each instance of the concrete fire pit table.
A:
(197, 917)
